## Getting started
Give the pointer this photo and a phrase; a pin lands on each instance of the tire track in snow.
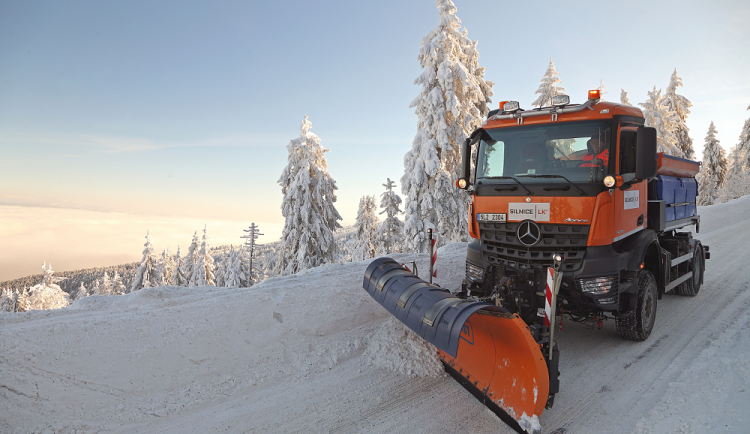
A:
(683, 329)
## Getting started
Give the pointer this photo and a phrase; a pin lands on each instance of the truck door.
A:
(631, 204)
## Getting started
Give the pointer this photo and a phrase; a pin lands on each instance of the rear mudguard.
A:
(489, 349)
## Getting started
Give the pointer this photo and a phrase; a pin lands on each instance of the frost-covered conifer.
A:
(624, 98)
(308, 205)
(232, 277)
(105, 288)
(453, 102)
(658, 116)
(147, 275)
(8, 298)
(680, 106)
(166, 268)
(743, 147)
(118, 288)
(203, 273)
(713, 170)
(391, 231)
(367, 228)
(47, 295)
(601, 89)
(82, 292)
(736, 184)
(178, 278)
(549, 87)
(191, 259)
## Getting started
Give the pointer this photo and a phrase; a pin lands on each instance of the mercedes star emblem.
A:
(528, 233)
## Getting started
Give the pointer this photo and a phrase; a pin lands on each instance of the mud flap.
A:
(486, 346)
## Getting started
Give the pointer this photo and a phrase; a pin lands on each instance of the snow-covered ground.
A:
(313, 353)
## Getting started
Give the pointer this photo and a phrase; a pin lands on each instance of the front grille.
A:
(500, 245)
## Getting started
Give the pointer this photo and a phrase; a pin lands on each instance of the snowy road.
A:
(313, 353)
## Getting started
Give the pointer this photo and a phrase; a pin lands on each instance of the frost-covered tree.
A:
(658, 116)
(736, 184)
(179, 278)
(47, 295)
(166, 268)
(82, 292)
(233, 274)
(549, 87)
(105, 288)
(680, 106)
(203, 272)
(743, 147)
(12, 300)
(601, 89)
(624, 98)
(367, 228)
(308, 205)
(391, 231)
(191, 259)
(453, 101)
(713, 170)
(147, 275)
(118, 288)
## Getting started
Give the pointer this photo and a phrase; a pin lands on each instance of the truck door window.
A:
(628, 142)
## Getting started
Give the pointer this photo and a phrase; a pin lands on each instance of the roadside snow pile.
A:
(399, 349)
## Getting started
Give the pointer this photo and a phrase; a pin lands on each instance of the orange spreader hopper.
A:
(489, 350)
(677, 167)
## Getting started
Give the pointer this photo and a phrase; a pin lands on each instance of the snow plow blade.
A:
(485, 347)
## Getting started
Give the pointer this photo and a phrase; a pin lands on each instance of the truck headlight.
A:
(474, 273)
(598, 285)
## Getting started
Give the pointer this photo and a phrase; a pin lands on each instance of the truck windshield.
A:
(578, 151)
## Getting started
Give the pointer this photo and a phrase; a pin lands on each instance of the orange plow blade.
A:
(489, 350)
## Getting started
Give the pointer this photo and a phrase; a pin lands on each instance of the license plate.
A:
(484, 217)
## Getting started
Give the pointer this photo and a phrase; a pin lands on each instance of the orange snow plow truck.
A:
(573, 213)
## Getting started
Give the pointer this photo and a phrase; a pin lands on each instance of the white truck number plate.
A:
(484, 217)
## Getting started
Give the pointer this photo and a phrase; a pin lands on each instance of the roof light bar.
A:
(511, 106)
(560, 100)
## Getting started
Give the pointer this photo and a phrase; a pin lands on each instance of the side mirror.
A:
(464, 179)
(645, 160)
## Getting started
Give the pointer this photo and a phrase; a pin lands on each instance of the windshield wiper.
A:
(510, 177)
(583, 193)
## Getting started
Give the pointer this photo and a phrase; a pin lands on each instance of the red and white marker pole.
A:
(432, 237)
(554, 278)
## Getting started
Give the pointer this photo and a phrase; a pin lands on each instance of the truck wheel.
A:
(636, 324)
(693, 285)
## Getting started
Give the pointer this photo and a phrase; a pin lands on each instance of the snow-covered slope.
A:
(313, 353)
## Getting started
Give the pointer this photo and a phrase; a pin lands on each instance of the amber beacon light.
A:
(594, 94)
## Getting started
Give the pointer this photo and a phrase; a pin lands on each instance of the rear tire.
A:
(693, 285)
(636, 324)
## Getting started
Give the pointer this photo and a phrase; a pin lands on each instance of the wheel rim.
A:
(648, 309)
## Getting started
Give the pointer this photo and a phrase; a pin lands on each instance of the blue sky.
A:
(184, 109)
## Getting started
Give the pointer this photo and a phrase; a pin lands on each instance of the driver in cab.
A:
(597, 156)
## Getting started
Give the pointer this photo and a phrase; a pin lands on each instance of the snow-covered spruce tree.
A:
(105, 288)
(453, 102)
(203, 272)
(713, 170)
(680, 106)
(391, 231)
(166, 268)
(308, 206)
(178, 279)
(118, 288)
(8, 297)
(549, 87)
(367, 228)
(601, 89)
(736, 184)
(147, 275)
(743, 147)
(658, 116)
(191, 259)
(47, 295)
(82, 292)
(624, 98)
(233, 272)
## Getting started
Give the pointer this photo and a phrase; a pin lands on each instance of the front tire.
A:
(636, 324)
